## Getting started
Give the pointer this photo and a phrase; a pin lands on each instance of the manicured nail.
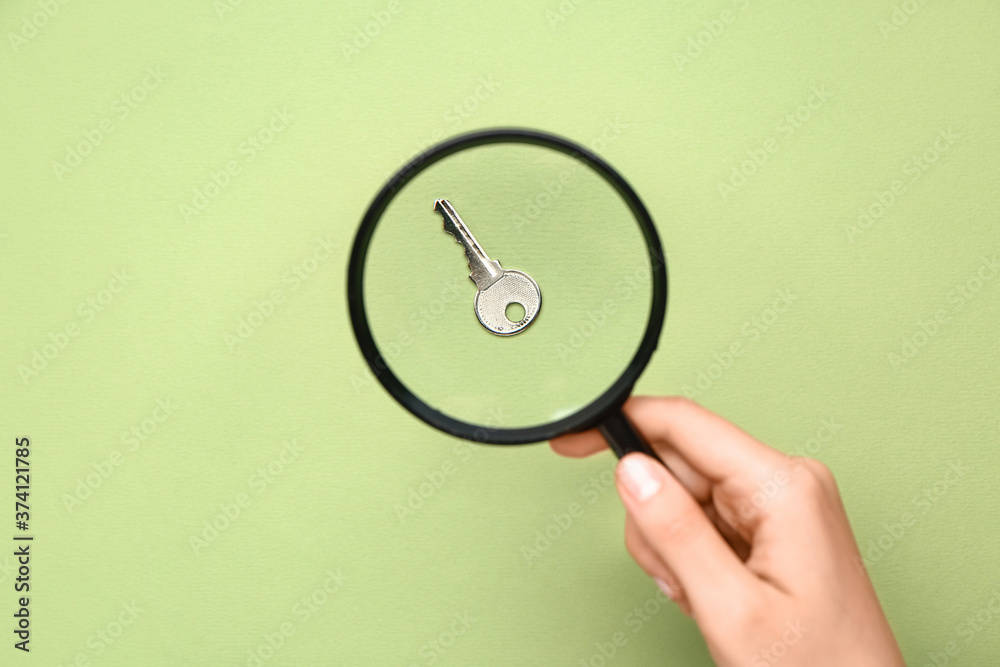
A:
(641, 480)
(665, 587)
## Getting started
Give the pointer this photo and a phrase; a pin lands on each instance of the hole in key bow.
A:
(514, 311)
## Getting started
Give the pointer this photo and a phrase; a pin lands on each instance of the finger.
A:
(587, 443)
(729, 532)
(650, 562)
(697, 484)
(681, 535)
(712, 446)
(669, 589)
(579, 445)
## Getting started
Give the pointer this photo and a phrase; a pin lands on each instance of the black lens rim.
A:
(590, 415)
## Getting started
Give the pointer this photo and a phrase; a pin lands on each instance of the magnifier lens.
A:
(534, 210)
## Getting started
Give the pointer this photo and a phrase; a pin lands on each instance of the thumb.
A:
(680, 533)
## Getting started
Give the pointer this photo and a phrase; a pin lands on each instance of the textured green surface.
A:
(610, 75)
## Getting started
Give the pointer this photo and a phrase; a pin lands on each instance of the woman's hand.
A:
(754, 545)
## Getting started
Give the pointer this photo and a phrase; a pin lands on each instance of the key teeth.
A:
(454, 235)
(450, 228)
(453, 230)
(472, 265)
(483, 270)
(440, 207)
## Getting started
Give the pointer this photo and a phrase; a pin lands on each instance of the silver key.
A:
(497, 287)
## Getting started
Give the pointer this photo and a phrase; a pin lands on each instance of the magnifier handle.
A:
(623, 438)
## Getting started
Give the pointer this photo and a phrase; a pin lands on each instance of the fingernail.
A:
(641, 481)
(665, 587)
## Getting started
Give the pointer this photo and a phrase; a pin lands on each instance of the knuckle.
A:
(751, 612)
(815, 478)
(821, 473)
(681, 403)
(675, 591)
(744, 619)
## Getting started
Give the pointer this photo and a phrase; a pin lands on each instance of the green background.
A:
(609, 75)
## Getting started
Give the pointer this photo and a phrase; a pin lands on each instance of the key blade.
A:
(452, 222)
(485, 271)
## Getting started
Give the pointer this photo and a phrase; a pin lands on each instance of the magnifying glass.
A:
(508, 286)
